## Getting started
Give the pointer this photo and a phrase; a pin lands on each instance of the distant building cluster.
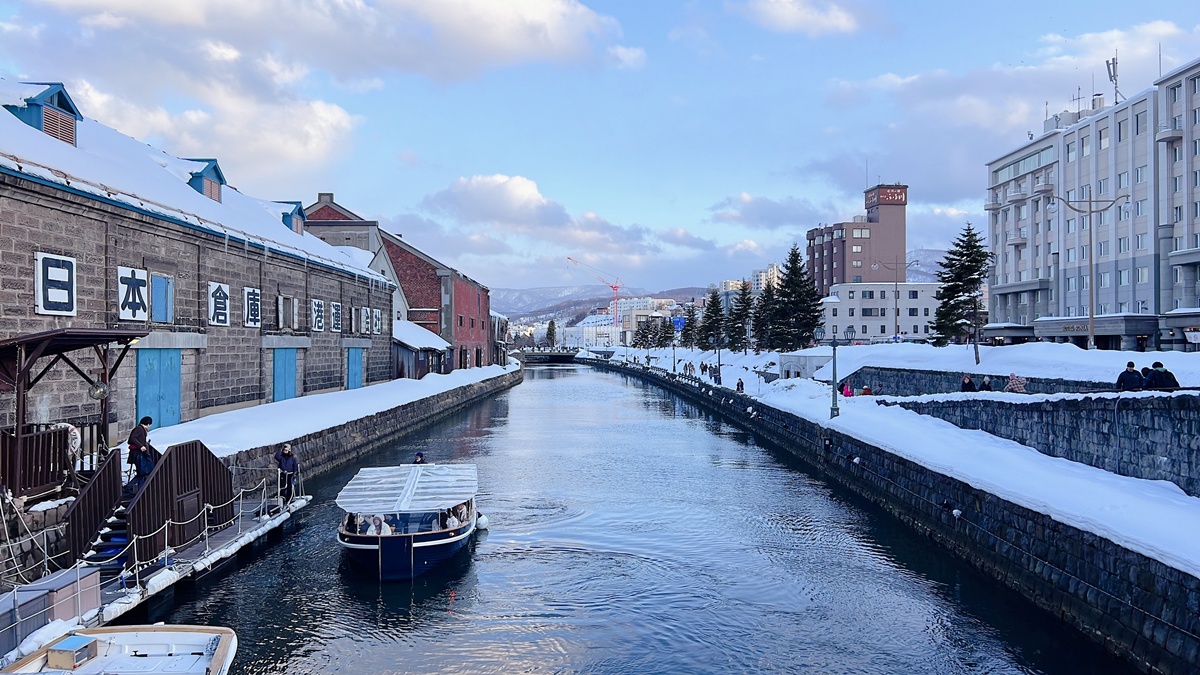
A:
(1095, 223)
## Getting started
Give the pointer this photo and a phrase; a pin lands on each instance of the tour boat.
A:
(401, 521)
(167, 649)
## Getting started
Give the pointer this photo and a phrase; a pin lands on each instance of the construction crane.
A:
(616, 287)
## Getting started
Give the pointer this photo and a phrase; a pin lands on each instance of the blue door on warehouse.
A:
(354, 370)
(158, 374)
(283, 377)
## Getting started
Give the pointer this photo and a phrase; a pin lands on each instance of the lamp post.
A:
(1091, 208)
(718, 342)
(819, 334)
(895, 266)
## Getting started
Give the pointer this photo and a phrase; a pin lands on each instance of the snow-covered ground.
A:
(1154, 518)
(231, 432)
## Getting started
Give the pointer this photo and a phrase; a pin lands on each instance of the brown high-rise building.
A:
(869, 249)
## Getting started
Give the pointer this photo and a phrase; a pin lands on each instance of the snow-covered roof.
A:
(409, 488)
(594, 320)
(417, 336)
(110, 166)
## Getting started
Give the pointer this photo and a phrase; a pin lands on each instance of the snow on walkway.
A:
(1154, 518)
(231, 432)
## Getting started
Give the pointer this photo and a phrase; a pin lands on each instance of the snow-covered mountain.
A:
(515, 301)
(928, 264)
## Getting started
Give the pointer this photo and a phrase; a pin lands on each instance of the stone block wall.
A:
(1155, 436)
(30, 537)
(901, 382)
(324, 450)
(1136, 607)
(222, 365)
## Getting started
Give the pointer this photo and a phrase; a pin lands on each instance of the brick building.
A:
(98, 230)
(435, 296)
(870, 248)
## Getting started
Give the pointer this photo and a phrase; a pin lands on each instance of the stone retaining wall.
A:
(324, 450)
(30, 537)
(1139, 608)
(900, 382)
(1153, 436)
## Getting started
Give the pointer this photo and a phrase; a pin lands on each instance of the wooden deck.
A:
(122, 594)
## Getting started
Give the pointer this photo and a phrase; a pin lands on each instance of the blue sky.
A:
(666, 143)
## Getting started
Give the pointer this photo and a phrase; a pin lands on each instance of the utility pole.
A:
(895, 266)
(1090, 207)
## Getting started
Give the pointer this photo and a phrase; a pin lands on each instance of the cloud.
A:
(679, 236)
(763, 212)
(513, 205)
(628, 58)
(811, 17)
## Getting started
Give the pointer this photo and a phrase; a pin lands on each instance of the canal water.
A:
(631, 533)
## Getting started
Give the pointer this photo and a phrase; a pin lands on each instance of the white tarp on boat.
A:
(411, 487)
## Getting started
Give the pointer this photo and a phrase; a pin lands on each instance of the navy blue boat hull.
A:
(401, 557)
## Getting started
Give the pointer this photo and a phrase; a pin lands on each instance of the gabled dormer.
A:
(294, 219)
(207, 181)
(45, 106)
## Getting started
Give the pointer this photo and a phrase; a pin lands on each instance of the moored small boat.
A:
(168, 649)
(402, 521)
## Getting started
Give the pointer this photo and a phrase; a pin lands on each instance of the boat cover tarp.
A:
(410, 487)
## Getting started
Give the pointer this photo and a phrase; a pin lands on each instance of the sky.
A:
(663, 144)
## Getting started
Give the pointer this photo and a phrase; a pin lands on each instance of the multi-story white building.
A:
(759, 279)
(881, 311)
(1097, 222)
(596, 330)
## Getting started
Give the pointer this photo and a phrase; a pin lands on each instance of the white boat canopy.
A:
(407, 488)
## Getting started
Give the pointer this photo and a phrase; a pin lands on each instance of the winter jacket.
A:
(1016, 384)
(287, 463)
(968, 385)
(1129, 380)
(1161, 378)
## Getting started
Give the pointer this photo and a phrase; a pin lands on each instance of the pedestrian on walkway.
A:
(289, 467)
(741, 387)
(1160, 378)
(986, 384)
(1015, 385)
(1130, 379)
(968, 384)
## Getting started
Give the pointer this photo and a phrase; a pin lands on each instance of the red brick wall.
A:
(471, 312)
(327, 213)
(422, 287)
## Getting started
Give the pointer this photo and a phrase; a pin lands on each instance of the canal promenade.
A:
(1113, 555)
(326, 430)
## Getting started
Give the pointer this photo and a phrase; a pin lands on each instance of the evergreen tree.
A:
(666, 333)
(639, 335)
(963, 273)
(764, 318)
(799, 305)
(740, 313)
(691, 323)
(712, 325)
(551, 333)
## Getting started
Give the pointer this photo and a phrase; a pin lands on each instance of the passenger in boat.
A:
(419, 459)
(288, 468)
(351, 523)
(451, 520)
(378, 527)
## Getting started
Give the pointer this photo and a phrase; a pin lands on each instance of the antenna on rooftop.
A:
(1112, 77)
(1077, 98)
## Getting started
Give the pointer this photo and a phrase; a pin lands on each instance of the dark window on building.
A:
(460, 320)
(912, 311)
(912, 295)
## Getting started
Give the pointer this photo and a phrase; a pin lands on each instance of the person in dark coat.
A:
(1130, 379)
(968, 384)
(1160, 378)
(986, 385)
(419, 459)
(137, 437)
(289, 466)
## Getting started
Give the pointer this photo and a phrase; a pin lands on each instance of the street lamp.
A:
(895, 267)
(1093, 206)
(718, 342)
(819, 334)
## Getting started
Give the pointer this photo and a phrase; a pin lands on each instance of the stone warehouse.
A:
(241, 306)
